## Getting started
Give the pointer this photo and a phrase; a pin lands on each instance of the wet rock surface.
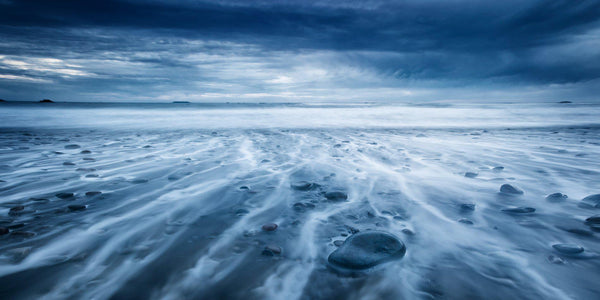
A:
(367, 249)
(510, 189)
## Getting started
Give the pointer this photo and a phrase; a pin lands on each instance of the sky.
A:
(300, 51)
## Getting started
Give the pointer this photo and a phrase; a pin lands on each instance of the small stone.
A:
(76, 207)
(336, 196)
(519, 210)
(465, 221)
(471, 174)
(556, 197)
(592, 200)
(303, 186)
(568, 248)
(497, 169)
(86, 152)
(72, 146)
(509, 189)
(16, 209)
(68, 163)
(92, 176)
(241, 211)
(338, 243)
(595, 219)
(89, 159)
(367, 249)
(139, 181)
(407, 231)
(467, 207)
(273, 249)
(243, 187)
(65, 195)
(93, 193)
(269, 227)
(555, 260)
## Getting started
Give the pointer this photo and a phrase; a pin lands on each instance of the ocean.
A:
(249, 201)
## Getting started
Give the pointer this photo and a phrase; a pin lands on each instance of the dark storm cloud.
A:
(294, 48)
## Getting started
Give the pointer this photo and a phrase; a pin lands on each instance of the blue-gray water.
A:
(185, 189)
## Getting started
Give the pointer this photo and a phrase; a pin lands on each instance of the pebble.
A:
(243, 187)
(471, 174)
(76, 207)
(509, 189)
(519, 210)
(367, 249)
(467, 207)
(336, 196)
(595, 219)
(303, 186)
(592, 200)
(568, 248)
(65, 195)
(269, 227)
(465, 221)
(556, 197)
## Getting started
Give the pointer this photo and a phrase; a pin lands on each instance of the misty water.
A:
(169, 201)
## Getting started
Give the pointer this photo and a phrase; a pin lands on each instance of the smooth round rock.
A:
(510, 189)
(336, 196)
(467, 207)
(519, 210)
(269, 227)
(592, 200)
(556, 197)
(93, 193)
(465, 221)
(568, 248)
(367, 249)
(65, 195)
(72, 146)
(471, 174)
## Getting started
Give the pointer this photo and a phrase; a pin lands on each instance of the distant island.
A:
(564, 102)
(46, 101)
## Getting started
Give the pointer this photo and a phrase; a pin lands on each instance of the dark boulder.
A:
(65, 195)
(269, 227)
(556, 197)
(367, 249)
(46, 101)
(568, 248)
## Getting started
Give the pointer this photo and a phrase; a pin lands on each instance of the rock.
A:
(269, 227)
(92, 176)
(595, 219)
(556, 197)
(85, 169)
(467, 207)
(65, 195)
(555, 260)
(497, 169)
(336, 196)
(93, 193)
(592, 200)
(367, 249)
(465, 221)
(72, 146)
(565, 102)
(243, 187)
(509, 189)
(303, 186)
(471, 174)
(89, 159)
(519, 210)
(3, 230)
(46, 101)
(271, 250)
(85, 152)
(241, 211)
(16, 209)
(338, 243)
(68, 163)
(568, 248)
(407, 231)
(76, 207)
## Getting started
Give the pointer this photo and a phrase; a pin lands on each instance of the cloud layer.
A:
(293, 51)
